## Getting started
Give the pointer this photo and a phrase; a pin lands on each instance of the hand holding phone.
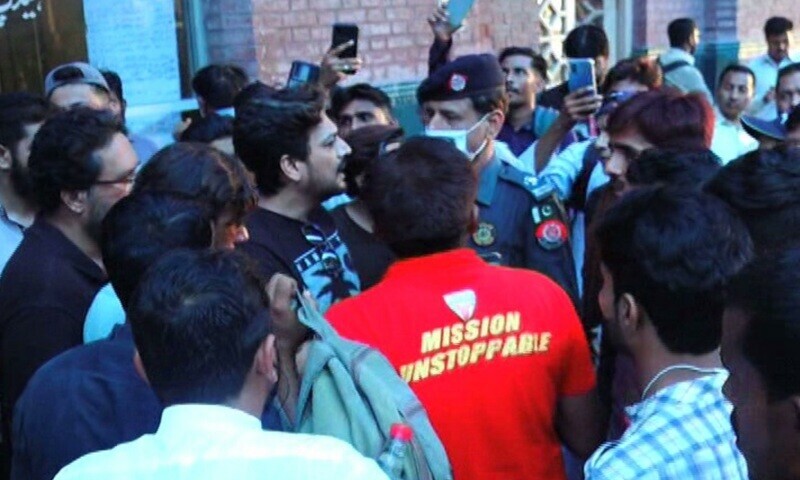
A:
(302, 73)
(342, 34)
(581, 74)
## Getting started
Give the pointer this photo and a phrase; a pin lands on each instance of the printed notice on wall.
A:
(136, 39)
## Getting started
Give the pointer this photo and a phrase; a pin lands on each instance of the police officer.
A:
(522, 223)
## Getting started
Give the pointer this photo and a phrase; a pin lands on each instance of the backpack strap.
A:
(670, 67)
(577, 200)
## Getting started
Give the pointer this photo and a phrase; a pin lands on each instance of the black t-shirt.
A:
(312, 252)
(45, 292)
(371, 257)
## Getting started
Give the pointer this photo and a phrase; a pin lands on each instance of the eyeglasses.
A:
(317, 238)
(127, 179)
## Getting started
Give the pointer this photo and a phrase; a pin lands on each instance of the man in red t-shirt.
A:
(496, 355)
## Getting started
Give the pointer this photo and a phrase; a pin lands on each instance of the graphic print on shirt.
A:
(329, 280)
(465, 343)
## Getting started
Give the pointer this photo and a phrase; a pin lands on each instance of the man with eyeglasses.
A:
(80, 165)
(292, 147)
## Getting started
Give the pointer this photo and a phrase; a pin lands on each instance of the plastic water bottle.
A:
(392, 459)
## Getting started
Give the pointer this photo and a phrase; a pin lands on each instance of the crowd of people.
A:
(548, 283)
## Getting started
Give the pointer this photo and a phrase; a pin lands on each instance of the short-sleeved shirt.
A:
(683, 431)
(515, 223)
(45, 292)
(487, 358)
(278, 245)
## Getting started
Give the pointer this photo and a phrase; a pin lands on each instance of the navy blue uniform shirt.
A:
(523, 224)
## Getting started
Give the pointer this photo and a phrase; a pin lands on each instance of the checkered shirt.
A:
(682, 432)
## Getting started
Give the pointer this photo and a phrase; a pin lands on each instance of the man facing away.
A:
(204, 343)
(678, 61)
(497, 356)
(666, 256)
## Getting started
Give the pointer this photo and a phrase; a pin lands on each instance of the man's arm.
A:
(578, 106)
(579, 419)
(289, 335)
(578, 423)
(439, 53)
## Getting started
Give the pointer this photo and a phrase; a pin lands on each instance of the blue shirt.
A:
(87, 399)
(105, 312)
(682, 432)
(510, 204)
(10, 237)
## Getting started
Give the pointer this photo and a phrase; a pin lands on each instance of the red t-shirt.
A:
(489, 376)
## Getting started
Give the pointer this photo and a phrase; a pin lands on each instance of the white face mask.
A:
(460, 138)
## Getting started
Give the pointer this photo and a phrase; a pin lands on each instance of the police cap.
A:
(463, 77)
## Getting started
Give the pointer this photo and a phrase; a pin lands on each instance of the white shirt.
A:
(766, 71)
(730, 139)
(217, 442)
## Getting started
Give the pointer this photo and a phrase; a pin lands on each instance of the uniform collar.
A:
(488, 181)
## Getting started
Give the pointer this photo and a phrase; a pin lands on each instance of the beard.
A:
(21, 180)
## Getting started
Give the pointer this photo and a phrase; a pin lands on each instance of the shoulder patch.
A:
(539, 190)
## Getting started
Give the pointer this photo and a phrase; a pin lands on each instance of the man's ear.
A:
(139, 367)
(495, 121)
(5, 158)
(629, 313)
(292, 168)
(76, 201)
(265, 362)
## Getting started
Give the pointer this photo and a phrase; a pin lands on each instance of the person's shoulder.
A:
(125, 457)
(313, 448)
(516, 179)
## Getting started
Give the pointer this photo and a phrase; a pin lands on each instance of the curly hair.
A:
(64, 153)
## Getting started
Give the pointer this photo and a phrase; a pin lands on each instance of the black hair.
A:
(218, 85)
(739, 68)
(763, 187)
(787, 70)
(674, 250)
(198, 319)
(777, 26)
(538, 63)
(680, 31)
(140, 228)
(17, 110)
(361, 91)
(209, 128)
(586, 41)
(366, 145)
(768, 292)
(64, 153)
(673, 166)
(201, 172)
(114, 83)
(421, 197)
(271, 125)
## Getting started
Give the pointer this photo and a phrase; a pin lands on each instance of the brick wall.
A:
(394, 35)
(751, 17)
